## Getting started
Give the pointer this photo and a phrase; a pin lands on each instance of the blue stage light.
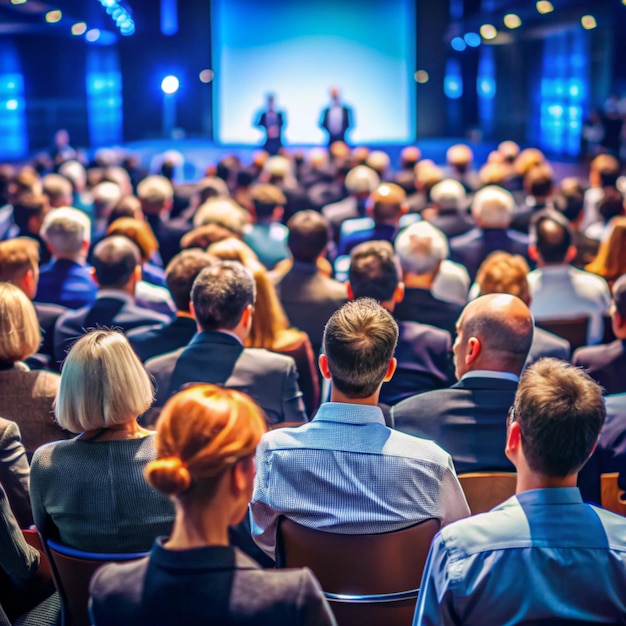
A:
(170, 84)
(473, 40)
(458, 44)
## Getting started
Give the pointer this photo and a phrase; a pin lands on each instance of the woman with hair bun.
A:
(206, 439)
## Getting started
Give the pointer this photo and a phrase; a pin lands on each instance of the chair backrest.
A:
(484, 490)
(32, 538)
(353, 568)
(574, 330)
(611, 494)
(72, 570)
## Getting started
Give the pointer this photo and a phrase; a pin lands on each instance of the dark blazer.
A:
(214, 357)
(346, 123)
(423, 355)
(15, 472)
(350, 238)
(168, 234)
(606, 364)
(272, 144)
(452, 223)
(48, 314)
(472, 248)
(468, 420)
(547, 344)
(66, 283)
(212, 585)
(110, 311)
(156, 340)
(419, 305)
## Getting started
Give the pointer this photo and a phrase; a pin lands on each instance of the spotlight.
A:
(206, 76)
(588, 22)
(472, 40)
(488, 31)
(421, 76)
(170, 84)
(52, 17)
(458, 44)
(80, 28)
(18, 1)
(92, 35)
(512, 21)
(544, 6)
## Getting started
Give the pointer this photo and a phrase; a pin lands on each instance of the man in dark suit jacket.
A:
(222, 300)
(492, 210)
(272, 121)
(422, 352)
(469, 420)
(337, 118)
(180, 273)
(117, 269)
(421, 248)
(607, 363)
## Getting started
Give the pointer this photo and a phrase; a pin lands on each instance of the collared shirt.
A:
(346, 472)
(491, 374)
(542, 554)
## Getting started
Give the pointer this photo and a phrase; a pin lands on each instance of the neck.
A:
(527, 481)
(337, 396)
(198, 528)
(80, 259)
(127, 430)
(184, 314)
(418, 281)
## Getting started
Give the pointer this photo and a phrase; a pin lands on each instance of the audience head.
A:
(19, 327)
(509, 150)
(494, 173)
(75, 173)
(182, 271)
(361, 181)
(555, 421)
(223, 296)
(421, 248)
(618, 307)
(359, 342)
(139, 232)
(222, 212)
(103, 383)
(409, 157)
(206, 435)
(106, 195)
(526, 160)
(128, 206)
(538, 181)
(460, 157)
(269, 202)
(611, 205)
(448, 194)
(427, 175)
(388, 203)
(120, 177)
(232, 249)
(502, 272)
(156, 194)
(117, 263)
(67, 232)
(308, 236)
(570, 199)
(29, 210)
(493, 207)
(610, 262)
(374, 274)
(604, 171)
(379, 162)
(58, 189)
(494, 332)
(553, 239)
(19, 264)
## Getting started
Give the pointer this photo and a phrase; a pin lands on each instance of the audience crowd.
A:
(361, 336)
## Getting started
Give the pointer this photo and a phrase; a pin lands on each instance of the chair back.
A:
(611, 494)
(368, 579)
(574, 330)
(72, 570)
(32, 538)
(484, 490)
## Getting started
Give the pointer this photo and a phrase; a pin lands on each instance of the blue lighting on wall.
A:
(120, 15)
(453, 81)
(14, 142)
(169, 17)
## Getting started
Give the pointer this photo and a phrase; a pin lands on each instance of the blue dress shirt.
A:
(541, 555)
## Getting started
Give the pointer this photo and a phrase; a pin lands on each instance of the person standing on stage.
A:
(337, 118)
(272, 121)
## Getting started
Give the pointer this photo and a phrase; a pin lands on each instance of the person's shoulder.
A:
(588, 355)
(411, 331)
(415, 447)
(459, 242)
(48, 454)
(431, 399)
(46, 383)
(163, 361)
(589, 279)
(270, 360)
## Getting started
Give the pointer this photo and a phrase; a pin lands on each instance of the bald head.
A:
(494, 333)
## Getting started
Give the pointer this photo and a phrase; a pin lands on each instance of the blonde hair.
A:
(502, 272)
(20, 336)
(65, 230)
(139, 232)
(201, 433)
(103, 383)
(233, 249)
(610, 262)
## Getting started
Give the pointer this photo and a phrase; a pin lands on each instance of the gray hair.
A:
(420, 248)
(493, 207)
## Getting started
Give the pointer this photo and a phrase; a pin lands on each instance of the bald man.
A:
(386, 205)
(494, 335)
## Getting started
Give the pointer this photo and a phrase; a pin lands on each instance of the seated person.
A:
(479, 569)
(206, 441)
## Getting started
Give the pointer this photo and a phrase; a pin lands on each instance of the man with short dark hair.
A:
(116, 270)
(222, 302)
(180, 275)
(543, 556)
(494, 335)
(558, 290)
(423, 351)
(346, 472)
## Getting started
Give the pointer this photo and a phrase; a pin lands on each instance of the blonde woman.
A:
(206, 440)
(89, 492)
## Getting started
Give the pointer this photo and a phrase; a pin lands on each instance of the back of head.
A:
(502, 272)
(233, 249)
(18, 256)
(448, 194)
(388, 202)
(527, 159)
(75, 173)
(378, 161)
(359, 341)
(610, 262)
(65, 230)
(128, 206)
(220, 295)
(211, 187)
(139, 232)
(361, 180)
(182, 271)
(509, 150)
(266, 198)
(28, 205)
(619, 296)
(494, 173)
(569, 199)
(223, 212)
(427, 174)
(19, 327)
(103, 383)
(105, 196)
(552, 235)
(421, 247)
(460, 157)
(409, 156)
(308, 236)
(611, 205)
(202, 432)
(155, 193)
(538, 181)
(493, 207)
(604, 170)
(277, 167)
(560, 411)
(115, 260)
(373, 271)
(58, 189)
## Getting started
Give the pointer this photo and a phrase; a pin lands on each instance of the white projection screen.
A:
(298, 50)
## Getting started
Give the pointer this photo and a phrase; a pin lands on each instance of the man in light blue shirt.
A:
(346, 472)
(543, 555)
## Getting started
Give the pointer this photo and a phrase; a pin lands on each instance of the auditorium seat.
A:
(484, 490)
(574, 330)
(612, 496)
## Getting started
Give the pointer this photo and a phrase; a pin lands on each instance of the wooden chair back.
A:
(611, 494)
(368, 579)
(484, 490)
(574, 330)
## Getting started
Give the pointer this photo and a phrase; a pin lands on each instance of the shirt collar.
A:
(491, 374)
(305, 268)
(349, 413)
(551, 495)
